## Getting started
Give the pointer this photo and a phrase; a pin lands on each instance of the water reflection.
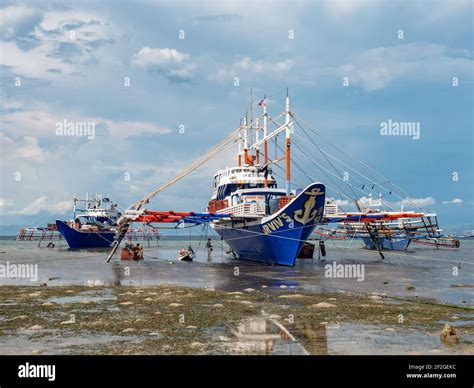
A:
(262, 335)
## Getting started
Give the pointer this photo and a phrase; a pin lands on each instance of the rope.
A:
(228, 141)
(335, 145)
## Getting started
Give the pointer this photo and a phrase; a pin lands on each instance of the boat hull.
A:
(388, 243)
(277, 239)
(79, 239)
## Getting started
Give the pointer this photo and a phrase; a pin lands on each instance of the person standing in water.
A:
(209, 249)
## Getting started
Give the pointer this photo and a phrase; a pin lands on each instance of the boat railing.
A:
(244, 210)
(33, 234)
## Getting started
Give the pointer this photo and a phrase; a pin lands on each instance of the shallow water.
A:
(429, 271)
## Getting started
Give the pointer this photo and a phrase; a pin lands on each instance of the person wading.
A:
(209, 249)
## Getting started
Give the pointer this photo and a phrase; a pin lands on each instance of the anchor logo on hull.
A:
(309, 213)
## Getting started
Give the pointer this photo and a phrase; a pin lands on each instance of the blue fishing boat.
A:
(93, 226)
(79, 239)
(265, 223)
(275, 238)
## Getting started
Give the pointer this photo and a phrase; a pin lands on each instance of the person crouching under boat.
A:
(138, 252)
(186, 254)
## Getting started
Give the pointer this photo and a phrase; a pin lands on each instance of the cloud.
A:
(417, 202)
(124, 129)
(343, 202)
(376, 68)
(66, 50)
(171, 63)
(455, 201)
(25, 147)
(246, 65)
(41, 121)
(18, 22)
(29, 148)
(33, 42)
(41, 206)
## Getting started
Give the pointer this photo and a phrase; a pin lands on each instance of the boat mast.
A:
(288, 144)
(265, 147)
(75, 200)
(239, 155)
(257, 138)
(246, 144)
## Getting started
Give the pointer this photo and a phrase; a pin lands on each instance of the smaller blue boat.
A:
(94, 227)
(388, 243)
(78, 239)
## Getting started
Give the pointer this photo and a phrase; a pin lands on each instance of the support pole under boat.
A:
(121, 234)
(373, 237)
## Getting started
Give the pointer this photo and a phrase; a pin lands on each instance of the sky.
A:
(156, 81)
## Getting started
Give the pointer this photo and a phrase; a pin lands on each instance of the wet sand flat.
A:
(218, 305)
(182, 320)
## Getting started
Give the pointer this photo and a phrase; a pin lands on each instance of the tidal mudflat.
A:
(182, 320)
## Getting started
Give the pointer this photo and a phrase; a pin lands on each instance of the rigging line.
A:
(300, 183)
(387, 203)
(330, 172)
(370, 179)
(356, 201)
(304, 173)
(186, 171)
(332, 165)
(281, 178)
(336, 188)
(320, 167)
(274, 120)
(335, 145)
(347, 196)
(328, 140)
(357, 172)
(225, 147)
(312, 178)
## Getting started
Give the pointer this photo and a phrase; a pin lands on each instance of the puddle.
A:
(260, 335)
(88, 296)
(359, 339)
